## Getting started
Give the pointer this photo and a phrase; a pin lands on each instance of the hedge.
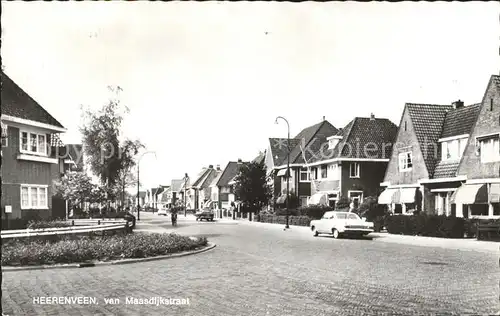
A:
(426, 225)
(314, 211)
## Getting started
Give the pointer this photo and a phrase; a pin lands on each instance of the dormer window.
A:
(453, 149)
(333, 141)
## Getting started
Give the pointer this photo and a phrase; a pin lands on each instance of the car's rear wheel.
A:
(335, 233)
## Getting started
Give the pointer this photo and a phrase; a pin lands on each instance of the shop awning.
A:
(407, 195)
(471, 194)
(319, 198)
(495, 193)
(282, 173)
(387, 196)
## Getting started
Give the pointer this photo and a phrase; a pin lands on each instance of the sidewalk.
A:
(455, 244)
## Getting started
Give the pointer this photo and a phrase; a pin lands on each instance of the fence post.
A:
(73, 223)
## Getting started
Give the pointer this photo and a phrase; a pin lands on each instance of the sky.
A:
(204, 82)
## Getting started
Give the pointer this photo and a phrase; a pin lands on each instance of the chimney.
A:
(239, 161)
(218, 167)
(458, 104)
(210, 166)
(372, 117)
(324, 118)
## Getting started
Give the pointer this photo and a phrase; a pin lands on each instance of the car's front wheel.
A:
(335, 233)
(315, 231)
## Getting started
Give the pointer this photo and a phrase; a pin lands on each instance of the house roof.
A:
(279, 149)
(176, 185)
(153, 191)
(207, 181)
(142, 194)
(446, 169)
(357, 139)
(260, 158)
(216, 179)
(496, 80)
(200, 177)
(309, 137)
(16, 102)
(428, 121)
(229, 173)
(460, 121)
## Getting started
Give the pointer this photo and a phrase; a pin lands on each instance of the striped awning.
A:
(388, 196)
(407, 195)
(495, 193)
(55, 141)
(319, 198)
(471, 194)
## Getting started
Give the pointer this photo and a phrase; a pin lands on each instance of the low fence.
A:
(111, 226)
(280, 219)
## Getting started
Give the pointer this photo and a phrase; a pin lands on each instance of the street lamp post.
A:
(185, 190)
(287, 169)
(138, 185)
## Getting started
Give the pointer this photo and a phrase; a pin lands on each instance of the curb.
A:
(109, 263)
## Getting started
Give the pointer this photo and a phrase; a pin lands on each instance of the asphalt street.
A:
(264, 270)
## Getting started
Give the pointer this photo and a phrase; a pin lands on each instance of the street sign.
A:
(8, 209)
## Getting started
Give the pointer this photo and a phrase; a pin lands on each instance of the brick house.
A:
(353, 162)
(308, 141)
(225, 189)
(479, 196)
(29, 164)
(202, 187)
(421, 174)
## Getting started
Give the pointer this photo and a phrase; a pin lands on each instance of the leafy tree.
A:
(110, 160)
(251, 186)
(370, 208)
(342, 203)
(77, 188)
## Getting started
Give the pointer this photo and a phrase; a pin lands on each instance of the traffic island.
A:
(96, 251)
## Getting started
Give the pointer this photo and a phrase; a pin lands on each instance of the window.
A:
(324, 173)
(491, 104)
(33, 143)
(34, 197)
(5, 135)
(490, 149)
(303, 201)
(304, 175)
(354, 170)
(334, 172)
(356, 197)
(314, 173)
(406, 127)
(405, 161)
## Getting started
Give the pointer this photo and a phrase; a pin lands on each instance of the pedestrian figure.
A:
(174, 218)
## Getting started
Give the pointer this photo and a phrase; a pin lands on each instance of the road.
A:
(263, 270)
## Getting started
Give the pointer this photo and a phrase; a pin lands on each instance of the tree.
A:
(126, 177)
(342, 203)
(251, 185)
(109, 160)
(370, 208)
(77, 188)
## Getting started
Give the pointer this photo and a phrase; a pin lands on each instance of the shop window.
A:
(479, 209)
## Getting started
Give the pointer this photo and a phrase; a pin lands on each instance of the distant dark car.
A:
(205, 214)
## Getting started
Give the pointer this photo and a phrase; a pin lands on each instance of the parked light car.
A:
(341, 223)
(162, 211)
